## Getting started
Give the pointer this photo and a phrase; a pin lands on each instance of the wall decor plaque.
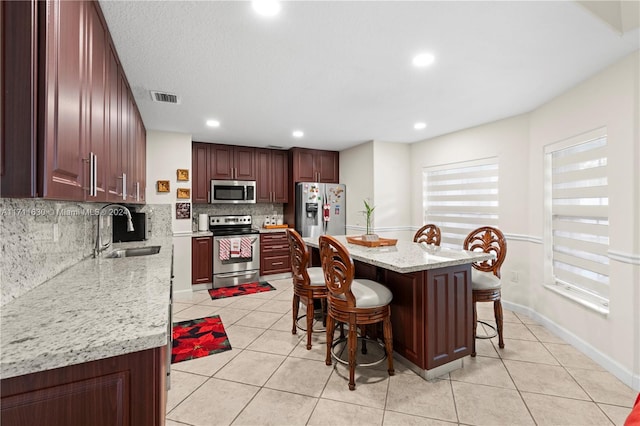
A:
(163, 186)
(183, 210)
(183, 174)
(184, 193)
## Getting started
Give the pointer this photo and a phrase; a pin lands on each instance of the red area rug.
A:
(197, 338)
(240, 290)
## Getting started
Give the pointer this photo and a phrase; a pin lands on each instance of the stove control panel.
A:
(230, 220)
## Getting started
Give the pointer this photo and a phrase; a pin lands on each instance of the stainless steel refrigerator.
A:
(321, 209)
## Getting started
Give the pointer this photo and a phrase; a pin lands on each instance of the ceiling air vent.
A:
(164, 97)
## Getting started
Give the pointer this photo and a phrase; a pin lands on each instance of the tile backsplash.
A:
(41, 238)
(257, 211)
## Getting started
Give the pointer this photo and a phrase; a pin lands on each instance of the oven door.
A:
(231, 268)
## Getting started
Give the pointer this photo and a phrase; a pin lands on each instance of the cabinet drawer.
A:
(275, 264)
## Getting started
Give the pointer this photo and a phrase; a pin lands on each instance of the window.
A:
(461, 197)
(577, 219)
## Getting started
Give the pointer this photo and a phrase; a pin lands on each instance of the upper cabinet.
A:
(201, 179)
(312, 165)
(76, 134)
(272, 177)
(230, 162)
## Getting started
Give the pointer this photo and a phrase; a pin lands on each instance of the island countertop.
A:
(407, 256)
(96, 309)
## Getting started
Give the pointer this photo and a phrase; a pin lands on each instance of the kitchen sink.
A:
(133, 251)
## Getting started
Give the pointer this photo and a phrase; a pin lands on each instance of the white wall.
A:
(166, 153)
(608, 99)
(393, 190)
(356, 172)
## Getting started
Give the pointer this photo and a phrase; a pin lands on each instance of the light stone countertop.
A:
(96, 309)
(267, 231)
(407, 256)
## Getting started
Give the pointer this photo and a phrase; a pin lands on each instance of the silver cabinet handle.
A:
(137, 191)
(124, 186)
(95, 175)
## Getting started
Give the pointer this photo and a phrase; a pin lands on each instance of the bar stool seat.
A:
(316, 277)
(484, 280)
(369, 294)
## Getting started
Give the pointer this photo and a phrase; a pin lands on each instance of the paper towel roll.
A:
(203, 222)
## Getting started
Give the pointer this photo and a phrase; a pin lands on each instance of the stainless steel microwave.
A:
(233, 192)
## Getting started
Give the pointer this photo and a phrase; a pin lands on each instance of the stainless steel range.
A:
(236, 250)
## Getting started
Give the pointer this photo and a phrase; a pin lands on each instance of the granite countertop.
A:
(266, 231)
(96, 309)
(407, 256)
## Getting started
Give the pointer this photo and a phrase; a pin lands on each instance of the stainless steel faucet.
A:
(99, 248)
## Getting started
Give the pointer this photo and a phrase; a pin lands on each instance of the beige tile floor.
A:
(269, 378)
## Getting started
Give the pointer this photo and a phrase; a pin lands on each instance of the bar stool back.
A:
(308, 283)
(429, 234)
(485, 276)
(355, 302)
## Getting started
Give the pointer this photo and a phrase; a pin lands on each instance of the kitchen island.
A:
(431, 311)
(90, 344)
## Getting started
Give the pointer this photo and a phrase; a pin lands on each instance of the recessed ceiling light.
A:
(423, 60)
(266, 7)
(213, 123)
(420, 126)
(298, 133)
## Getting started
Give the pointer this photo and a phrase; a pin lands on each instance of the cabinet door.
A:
(407, 315)
(244, 163)
(201, 260)
(114, 172)
(200, 171)
(123, 136)
(63, 106)
(141, 159)
(303, 166)
(221, 161)
(263, 176)
(97, 102)
(132, 172)
(327, 166)
(449, 318)
(279, 176)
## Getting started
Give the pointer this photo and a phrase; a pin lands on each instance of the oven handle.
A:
(253, 240)
(234, 274)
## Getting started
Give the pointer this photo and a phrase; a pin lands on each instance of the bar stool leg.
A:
(330, 332)
(475, 328)
(309, 321)
(388, 343)
(296, 305)
(497, 310)
(352, 344)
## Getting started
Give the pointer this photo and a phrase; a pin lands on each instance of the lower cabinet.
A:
(123, 390)
(201, 260)
(274, 253)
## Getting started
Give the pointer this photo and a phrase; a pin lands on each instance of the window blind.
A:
(461, 197)
(578, 226)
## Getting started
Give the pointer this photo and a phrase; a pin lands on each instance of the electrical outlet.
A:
(514, 277)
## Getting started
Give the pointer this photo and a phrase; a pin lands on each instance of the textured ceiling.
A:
(341, 71)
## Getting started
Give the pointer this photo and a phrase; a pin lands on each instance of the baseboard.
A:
(626, 376)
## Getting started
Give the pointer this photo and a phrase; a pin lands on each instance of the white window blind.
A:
(461, 197)
(577, 226)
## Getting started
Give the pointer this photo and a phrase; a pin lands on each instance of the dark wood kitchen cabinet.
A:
(122, 390)
(201, 181)
(274, 253)
(67, 135)
(312, 165)
(231, 162)
(201, 260)
(272, 177)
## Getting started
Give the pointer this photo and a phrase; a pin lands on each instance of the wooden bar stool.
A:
(485, 277)
(353, 302)
(308, 283)
(429, 234)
